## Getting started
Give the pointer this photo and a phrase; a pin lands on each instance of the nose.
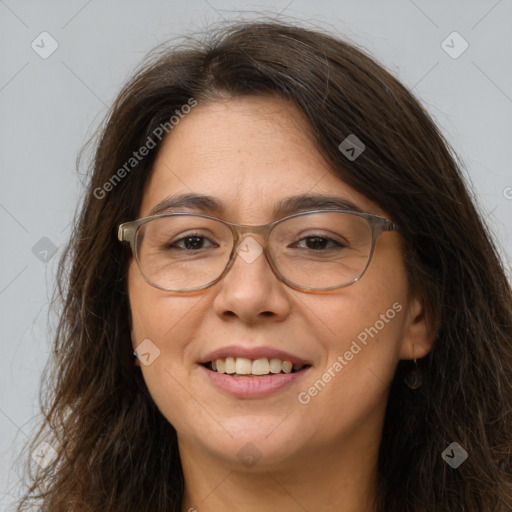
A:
(250, 291)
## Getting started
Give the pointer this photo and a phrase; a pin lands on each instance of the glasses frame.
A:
(127, 233)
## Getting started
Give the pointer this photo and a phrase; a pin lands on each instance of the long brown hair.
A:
(117, 452)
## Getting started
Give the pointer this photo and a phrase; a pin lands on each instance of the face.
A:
(251, 154)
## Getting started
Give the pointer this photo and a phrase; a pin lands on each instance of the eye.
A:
(317, 243)
(191, 243)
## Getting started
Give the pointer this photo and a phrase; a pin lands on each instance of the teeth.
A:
(230, 365)
(245, 366)
(287, 367)
(220, 365)
(276, 365)
(260, 367)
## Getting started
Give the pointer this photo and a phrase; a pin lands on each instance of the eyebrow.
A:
(295, 204)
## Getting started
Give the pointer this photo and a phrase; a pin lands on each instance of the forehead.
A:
(250, 154)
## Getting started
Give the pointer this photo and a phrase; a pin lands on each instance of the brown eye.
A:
(317, 243)
(191, 243)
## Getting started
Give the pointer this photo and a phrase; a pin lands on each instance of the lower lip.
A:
(253, 387)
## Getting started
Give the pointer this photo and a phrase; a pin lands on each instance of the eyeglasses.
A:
(317, 250)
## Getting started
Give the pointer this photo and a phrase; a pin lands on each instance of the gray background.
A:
(51, 106)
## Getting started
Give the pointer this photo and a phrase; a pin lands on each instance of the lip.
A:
(253, 353)
(252, 387)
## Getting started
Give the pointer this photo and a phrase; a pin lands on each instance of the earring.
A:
(414, 378)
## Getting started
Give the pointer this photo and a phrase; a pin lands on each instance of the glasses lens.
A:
(322, 250)
(183, 252)
(316, 250)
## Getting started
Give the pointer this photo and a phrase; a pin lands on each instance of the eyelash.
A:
(306, 238)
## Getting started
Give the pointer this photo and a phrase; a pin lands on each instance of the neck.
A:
(341, 479)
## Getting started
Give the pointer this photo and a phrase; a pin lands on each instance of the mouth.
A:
(244, 367)
(254, 372)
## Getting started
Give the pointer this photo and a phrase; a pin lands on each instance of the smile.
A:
(245, 367)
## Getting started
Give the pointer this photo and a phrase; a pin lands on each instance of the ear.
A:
(419, 334)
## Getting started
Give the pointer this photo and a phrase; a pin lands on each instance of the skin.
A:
(251, 153)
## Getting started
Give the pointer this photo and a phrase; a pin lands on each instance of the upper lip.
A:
(253, 353)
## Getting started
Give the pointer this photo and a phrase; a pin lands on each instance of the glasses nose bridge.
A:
(239, 230)
(262, 232)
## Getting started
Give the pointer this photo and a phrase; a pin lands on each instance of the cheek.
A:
(350, 388)
(360, 328)
(361, 332)
(168, 320)
(163, 326)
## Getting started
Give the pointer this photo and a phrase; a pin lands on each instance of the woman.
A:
(280, 297)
